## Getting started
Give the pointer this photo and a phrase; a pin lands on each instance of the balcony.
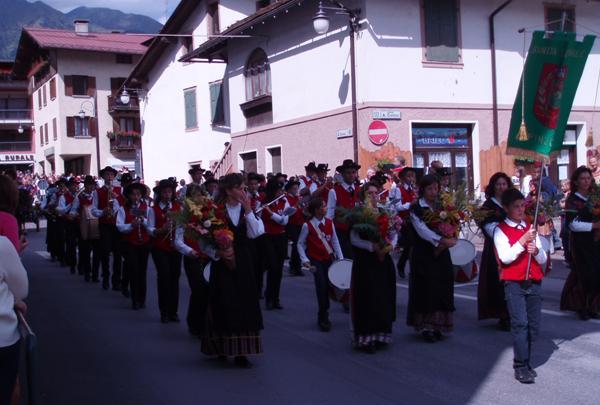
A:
(124, 141)
(15, 116)
(16, 146)
(115, 105)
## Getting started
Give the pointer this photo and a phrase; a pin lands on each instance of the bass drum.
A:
(207, 272)
(463, 252)
(466, 273)
(340, 274)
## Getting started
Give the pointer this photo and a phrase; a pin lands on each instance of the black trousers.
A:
(58, 242)
(89, 258)
(196, 315)
(136, 261)
(71, 237)
(293, 232)
(321, 276)
(168, 270)
(276, 254)
(110, 242)
(345, 244)
(9, 368)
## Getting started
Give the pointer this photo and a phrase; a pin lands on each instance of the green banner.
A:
(552, 73)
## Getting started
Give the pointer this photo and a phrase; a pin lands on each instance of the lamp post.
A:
(82, 115)
(321, 25)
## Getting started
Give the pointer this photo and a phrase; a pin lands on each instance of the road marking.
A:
(544, 311)
(42, 253)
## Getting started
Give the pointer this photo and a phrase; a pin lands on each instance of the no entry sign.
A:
(378, 132)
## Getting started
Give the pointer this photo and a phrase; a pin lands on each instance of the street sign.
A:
(378, 133)
(387, 115)
(344, 133)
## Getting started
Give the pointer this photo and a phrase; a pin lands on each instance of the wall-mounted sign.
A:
(387, 115)
(16, 158)
(378, 133)
(344, 133)
(441, 137)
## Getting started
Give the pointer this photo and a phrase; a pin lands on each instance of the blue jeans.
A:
(525, 309)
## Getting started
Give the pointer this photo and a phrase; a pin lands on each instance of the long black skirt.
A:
(490, 290)
(373, 298)
(581, 291)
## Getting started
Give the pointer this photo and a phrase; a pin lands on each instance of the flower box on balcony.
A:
(114, 134)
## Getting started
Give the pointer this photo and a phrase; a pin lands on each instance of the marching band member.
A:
(318, 246)
(308, 182)
(88, 244)
(194, 261)
(275, 218)
(132, 222)
(444, 174)
(58, 241)
(346, 195)
(65, 203)
(211, 186)
(401, 197)
(167, 259)
(324, 183)
(515, 241)
(294, 225)
(107, 200)
(581, 292)
(260, 248)
(373, 286)
(431, 280)
(234, 310)
(197, 174)
(490, 290)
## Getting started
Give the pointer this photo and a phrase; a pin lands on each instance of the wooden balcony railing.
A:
(225, 164)
(115, 105)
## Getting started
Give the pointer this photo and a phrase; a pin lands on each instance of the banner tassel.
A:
(523, 136)
(589, 141)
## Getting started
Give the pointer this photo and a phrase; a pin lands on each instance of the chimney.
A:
(82, 27)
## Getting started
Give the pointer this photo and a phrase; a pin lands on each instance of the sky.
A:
(156, 9)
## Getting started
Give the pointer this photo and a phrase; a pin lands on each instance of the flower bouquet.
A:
(451, 210)
(372, 223)
(200, 220)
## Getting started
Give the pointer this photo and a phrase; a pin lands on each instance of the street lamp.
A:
(125, 98)
(321, 26)
(20, 129)
(82, 114)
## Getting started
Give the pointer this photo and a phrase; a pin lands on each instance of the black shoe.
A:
(125, 293)
(593, 315)
(296, 273)
(116, 287)
(438, 335)
(532, 371)
(105, 284)
(583, 315)
(242, 362)
(95, 280)
(277, 305)
(173, 318)
(222, 358)
(324, 325)
(269, 305)
(72, 269)
(194, 332)
(164, 319)
(135, 306)
(370, 348)
(428, 336)
(524, 376)
(86, 278)
(141, 305)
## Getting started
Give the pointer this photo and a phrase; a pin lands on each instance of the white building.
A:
(73, 77)
(423, 68)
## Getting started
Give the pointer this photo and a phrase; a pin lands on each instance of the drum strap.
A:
(322, 238)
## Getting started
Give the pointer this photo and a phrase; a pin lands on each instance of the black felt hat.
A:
(347, 164)
(194, 169)
(108, 169)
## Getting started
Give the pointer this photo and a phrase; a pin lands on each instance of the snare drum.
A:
(207, 272)
(340, 274)
(463, 252)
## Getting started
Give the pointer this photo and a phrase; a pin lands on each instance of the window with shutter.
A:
(46, 133)
(213, 18)
(68, 85)
(44, 95)
(92, 127)
(91, 85)
(216, 103)
(82, 127)
(191, 119)
(79, 85)
(70, 127)
(40, 99)
(41, 135)
(53, 89)
(554, 17)
(54, 129)
(441, 31)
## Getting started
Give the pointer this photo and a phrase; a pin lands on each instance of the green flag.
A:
(552, 72)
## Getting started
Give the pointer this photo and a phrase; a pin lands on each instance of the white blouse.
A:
(13, 287)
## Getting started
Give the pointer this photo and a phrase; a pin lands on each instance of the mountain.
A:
(19, 13)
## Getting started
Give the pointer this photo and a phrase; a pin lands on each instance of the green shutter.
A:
(216, 103)
(191, 120)
(441, 30)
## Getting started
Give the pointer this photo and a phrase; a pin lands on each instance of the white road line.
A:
(544, 311)
(42, 253)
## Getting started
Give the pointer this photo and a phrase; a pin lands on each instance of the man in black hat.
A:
(444, 174)
(345, 195)
(65, 203)
(324, 183)
(211, 186)
(107, 200)
(197, 174)
(58, 240)
(89, 237)
(309, 180)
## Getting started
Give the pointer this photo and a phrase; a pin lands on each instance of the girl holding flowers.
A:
(373, 285)
(431, 280)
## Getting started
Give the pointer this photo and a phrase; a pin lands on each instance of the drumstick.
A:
(271, 203)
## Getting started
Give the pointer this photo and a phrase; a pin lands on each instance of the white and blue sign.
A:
(441, 137)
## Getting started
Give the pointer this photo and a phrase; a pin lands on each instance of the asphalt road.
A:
(93, 349)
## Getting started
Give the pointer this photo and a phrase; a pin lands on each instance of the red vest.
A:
(298, 217)
(408, 196)
(272, 227)
(384, 196)
(345, 200)
(136, 237)
(516, 270)
(102, 193)
(314, 246)
(164, 242)
(307, 182)
(85, 200)
(69, 198)
(255, 199)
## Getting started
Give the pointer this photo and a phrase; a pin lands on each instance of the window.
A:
(82, 126)
(441, 31)
(42, 135)
(554, 16)
(78, 127)
(249, 162)
(54, 130)
(213, 18)
(44, 95)
(124, 58)
(80, 85)
(127, 124)
(40, 99)
(191, 119)
(53, 89)
(46, 132)
(216, 103)
(274, 160)
(258, 75)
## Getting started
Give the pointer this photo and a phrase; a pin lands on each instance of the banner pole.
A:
(535, 218)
